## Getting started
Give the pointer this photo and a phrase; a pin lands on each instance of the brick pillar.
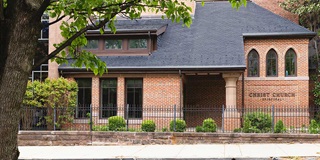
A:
(231, 115)
(121, 96)
(95, 99)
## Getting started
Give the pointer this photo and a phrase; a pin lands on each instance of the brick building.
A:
(251, 57)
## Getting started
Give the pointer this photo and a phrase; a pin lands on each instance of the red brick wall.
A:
(159, 90)
(298, 85)
(204, 93)
(273, 6)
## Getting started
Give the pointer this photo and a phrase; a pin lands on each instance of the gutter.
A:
(160, 68)
(280, 34)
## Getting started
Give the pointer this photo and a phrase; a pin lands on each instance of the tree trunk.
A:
(20, 35)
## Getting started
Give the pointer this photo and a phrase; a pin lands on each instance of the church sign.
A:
(269, 96)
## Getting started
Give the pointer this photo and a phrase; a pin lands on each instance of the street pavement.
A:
(199, 151)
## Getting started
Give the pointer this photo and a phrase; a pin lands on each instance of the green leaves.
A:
(51, 93)
(238, 3)
(308, 11)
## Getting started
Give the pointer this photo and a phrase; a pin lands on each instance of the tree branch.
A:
(42, 8)
(51, 23)
(79, 33)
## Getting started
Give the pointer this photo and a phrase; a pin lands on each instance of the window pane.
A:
(92, 44)
(109, 98)
(134, 97)
(138, 96)
(253, 64)
(290, 63)
(45, 31)
(113, 44)
(87, 96)
(130, 83)
(272, 63)
(138, 43)
(84, 82)
(84, 97)
(107, 83)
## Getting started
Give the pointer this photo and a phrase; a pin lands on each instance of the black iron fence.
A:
(270, 119)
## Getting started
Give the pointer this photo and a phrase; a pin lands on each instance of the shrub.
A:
(209, 125)
(247, 125)
(180, 125)
(132, 129)
(259, 122)
(248, 128)
(100, 128)
(116, 123)
(148, 126)
(237, 130)
(199, 129)
(164, 129)
(280, 128)
(314, 127)
(52, 94)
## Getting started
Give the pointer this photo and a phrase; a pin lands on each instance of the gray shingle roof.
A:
(214, 40)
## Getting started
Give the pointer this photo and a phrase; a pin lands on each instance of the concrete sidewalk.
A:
(212, 151)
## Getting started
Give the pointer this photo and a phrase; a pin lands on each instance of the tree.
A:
(309, 17)
(308, 11)
(20, 27)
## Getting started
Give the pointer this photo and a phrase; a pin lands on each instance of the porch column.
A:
(231, 89)
(231, 115)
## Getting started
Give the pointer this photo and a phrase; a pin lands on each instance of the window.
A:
(92, 44)
(134, 97)
(253, 64)
(84, 97)
(44, 34)
(291, 63)
(121, 45)
(138, 43)
(272, 66)
(113, 44)
(108, 98)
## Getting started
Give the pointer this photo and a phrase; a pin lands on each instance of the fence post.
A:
(222, 122)
(272, 118)
(54, 118)
(174, 117)
(127, 115)
(91, 117)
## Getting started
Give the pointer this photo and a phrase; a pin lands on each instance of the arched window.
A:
(291, 63)
(253, 64)
(272, 63)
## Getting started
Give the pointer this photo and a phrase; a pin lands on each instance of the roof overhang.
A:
(280, 35)
(131, 31)
(240, 68)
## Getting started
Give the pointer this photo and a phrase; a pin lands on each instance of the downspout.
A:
(242, 94)
(181, 93)
(317, 54)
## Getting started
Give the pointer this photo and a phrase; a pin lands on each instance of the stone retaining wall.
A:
(70, 138)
